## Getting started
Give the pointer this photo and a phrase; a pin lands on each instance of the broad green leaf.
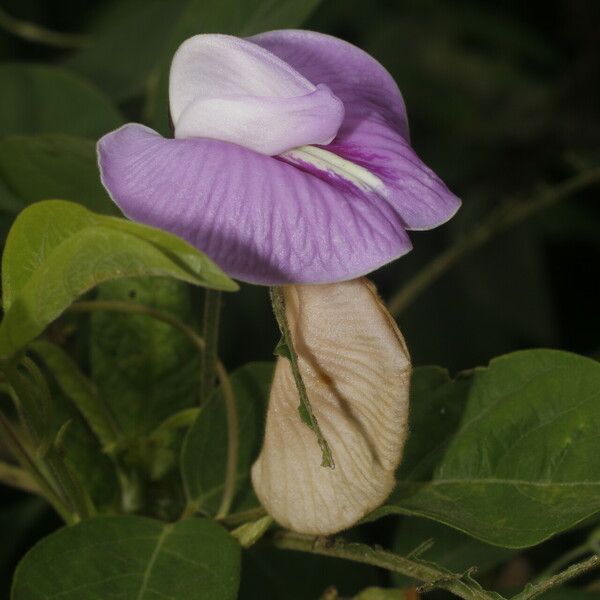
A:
(444, 546)
(34, 168)
(522, 464)
(57, 250)
(204, 454)
(48, 99)
(145, 369)
(132, 557)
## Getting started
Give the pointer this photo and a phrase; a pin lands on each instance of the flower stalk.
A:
(210, 334)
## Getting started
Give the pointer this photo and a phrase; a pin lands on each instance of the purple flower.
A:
(290, 164)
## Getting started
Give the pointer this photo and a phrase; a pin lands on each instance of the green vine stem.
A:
(28, 462)
(232, 443)
(505, 216)
(16, 477)
(567, 558)
(228, 395)
(32, 32)
(64, 480)
(540, 587)
(210, 334)
(460, 585)
(305, 409)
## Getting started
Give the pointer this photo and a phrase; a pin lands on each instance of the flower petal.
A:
(374, 133)
(356, 369)
(266, 125)
(260, 219)
(225, 88)
(354, 76)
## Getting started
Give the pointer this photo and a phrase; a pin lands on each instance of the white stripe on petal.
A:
(356, 369)
(332, 164)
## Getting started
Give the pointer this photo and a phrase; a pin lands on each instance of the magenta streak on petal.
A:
(374, 133)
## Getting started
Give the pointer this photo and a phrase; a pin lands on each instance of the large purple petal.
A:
(374, 133)
(226, 88)
(261, 219)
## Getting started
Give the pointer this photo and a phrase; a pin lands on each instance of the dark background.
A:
(503, 98)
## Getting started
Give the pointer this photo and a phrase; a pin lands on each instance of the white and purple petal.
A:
(261, 219)
(321, 210)
(225, 88)
(374, 133)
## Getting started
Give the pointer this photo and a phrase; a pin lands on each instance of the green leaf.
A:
(145, 369)
(204, 454)
(80, 390)
(34, 168)
(447, 547)
(57, 250)
(138, 39)
(132, 557)
(47, 99)
(521, 465)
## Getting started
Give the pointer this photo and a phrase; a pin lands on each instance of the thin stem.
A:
(20, 452)
(565, 559)
(139, 309)
(32, 32)
(65, 481)
(540, 587)
(45, 400)
(305, 408)
(70, 486)
(232, 443)
(16, 477)
(505, 216)
(228, 395)
(27, 407)
(459, 585)
(210, 333)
